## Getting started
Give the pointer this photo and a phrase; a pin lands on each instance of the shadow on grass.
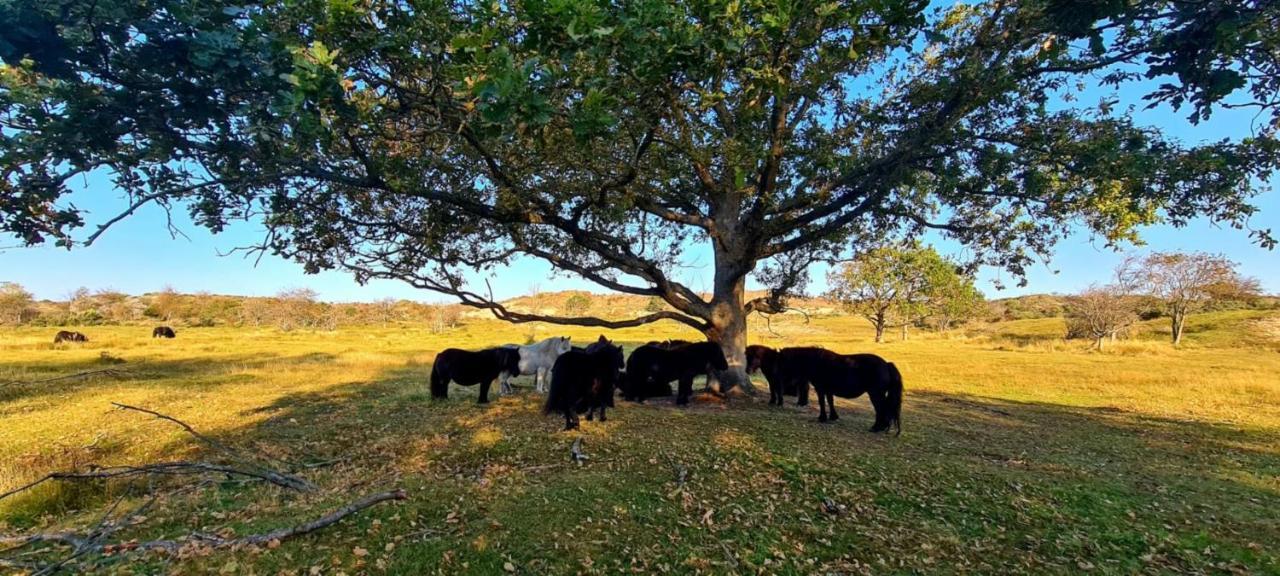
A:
(984, 483)
(28, 381)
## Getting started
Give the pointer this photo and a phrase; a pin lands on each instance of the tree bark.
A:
(728, 325)
(904, 332)
(1179, 320)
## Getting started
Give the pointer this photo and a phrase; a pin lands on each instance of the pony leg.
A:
(568, 420)
(880, 403)
(603, 403)
(802, 394)
(822, 408)
(685, 391)
(484, 392)
(831, 403)
(591, 412)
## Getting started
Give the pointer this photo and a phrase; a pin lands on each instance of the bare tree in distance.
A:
(1186, 281)
(1101, 313)
(15, 303)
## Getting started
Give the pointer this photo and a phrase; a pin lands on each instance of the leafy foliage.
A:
(419, 141)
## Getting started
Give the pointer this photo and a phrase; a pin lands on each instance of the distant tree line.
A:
(297, 308)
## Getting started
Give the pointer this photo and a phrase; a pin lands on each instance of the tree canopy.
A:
(419, 140)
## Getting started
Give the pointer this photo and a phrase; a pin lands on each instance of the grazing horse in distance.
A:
(583, 381)
(163, 332)
(69, 336)
(650, 369)
(537, 359)
(470, 368)
(846, 376)
(766, 360)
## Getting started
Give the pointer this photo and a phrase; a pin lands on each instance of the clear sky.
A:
(139, 256)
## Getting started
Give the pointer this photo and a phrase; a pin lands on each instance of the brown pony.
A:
(69, 336)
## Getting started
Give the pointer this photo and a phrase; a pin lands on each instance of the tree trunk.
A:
(728, 322)
(879, 323)
(1179, 320)
(1097, 342)
(904, 332)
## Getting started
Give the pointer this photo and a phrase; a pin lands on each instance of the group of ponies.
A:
(584, 380)
(482, 367)
(73, 336)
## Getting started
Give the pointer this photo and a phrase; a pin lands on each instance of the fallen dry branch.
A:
(227, 450)
(278, 535)
(115, 372)
(24, 552)
(179, 468)
(93, 542)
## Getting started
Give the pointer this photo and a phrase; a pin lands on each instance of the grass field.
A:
(1020, 453)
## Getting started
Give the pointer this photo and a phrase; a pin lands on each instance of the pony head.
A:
(563, 345)
(755, 357)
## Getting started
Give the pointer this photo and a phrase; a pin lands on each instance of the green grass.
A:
(1020, 453)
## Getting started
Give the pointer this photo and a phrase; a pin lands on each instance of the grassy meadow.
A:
(1020, 453)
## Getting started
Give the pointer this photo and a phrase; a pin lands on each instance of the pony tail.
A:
(895, 398)
(555, 394)
(439, 381)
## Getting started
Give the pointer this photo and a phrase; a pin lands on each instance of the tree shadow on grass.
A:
(27, 381)
(1048, 484)
(986, 483)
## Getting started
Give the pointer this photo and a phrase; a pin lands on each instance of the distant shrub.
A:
(577, 304)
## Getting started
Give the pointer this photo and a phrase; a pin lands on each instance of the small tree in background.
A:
(297, 308)
(1186, 281)
(1101, 312)
(16, 304)
(166, 304)
(956, 300)
(577, 304)
(385, 310)
(891, 286)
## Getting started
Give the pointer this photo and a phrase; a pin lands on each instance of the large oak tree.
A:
(419, 140)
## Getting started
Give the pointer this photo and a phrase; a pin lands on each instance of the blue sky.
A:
(138, 255)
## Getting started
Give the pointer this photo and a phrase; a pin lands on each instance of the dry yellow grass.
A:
(1011, 436)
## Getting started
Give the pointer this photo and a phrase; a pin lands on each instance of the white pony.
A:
(537, 359)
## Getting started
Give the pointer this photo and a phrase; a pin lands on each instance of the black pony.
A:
(470, 368)
(69, 336)
(163, 332)
(846, 376)
(583, 380)
(651, 368)
(766, 360)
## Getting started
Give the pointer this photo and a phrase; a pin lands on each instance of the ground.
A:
(1019, 453)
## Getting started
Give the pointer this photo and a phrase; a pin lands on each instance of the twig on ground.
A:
(92, 543)
(178, 468)
(286, 480)
(576, 454)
